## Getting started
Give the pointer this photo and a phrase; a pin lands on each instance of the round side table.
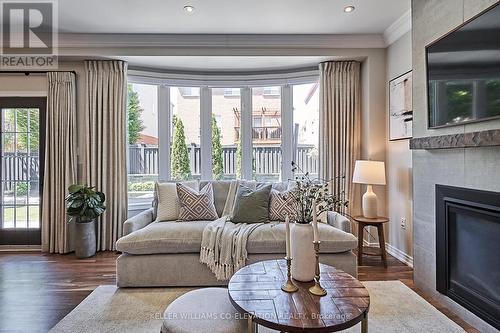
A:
(377, 222)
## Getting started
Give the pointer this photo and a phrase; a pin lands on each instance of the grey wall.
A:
(472, 168)
(373, 133)
(399, 163)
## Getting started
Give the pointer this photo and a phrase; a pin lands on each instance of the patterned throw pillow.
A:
(194, 205)
(282, 204)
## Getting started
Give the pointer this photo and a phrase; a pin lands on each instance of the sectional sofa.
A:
(166, 253)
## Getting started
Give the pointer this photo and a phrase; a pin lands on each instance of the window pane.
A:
(306, 121)
(22, 190)
(185, 151)
(21, 216)
(9, 120)
(8, 217)
(226, 151)
(142, 139)
(34, 217)
(266, 133)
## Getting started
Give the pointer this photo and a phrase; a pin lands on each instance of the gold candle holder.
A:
(289, 286)
(317, 289)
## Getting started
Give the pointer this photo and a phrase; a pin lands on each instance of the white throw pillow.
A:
(168, 203)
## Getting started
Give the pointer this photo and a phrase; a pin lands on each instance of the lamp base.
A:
(370, 209)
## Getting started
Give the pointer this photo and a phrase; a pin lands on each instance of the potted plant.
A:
(308, 192)
(84, 205)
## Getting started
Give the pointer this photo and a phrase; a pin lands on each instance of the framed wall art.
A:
(400, 107)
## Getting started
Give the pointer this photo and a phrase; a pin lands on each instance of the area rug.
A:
(394, 308)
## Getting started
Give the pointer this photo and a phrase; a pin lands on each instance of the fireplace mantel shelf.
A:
(464, 140)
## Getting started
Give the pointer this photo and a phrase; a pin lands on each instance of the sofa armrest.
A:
(339, 221)
(138, 221)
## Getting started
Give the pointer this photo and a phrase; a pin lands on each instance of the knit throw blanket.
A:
(223, 246)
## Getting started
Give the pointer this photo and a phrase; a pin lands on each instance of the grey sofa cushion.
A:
(270, 238)
(164, 237)
(185, 237)
(221, 189)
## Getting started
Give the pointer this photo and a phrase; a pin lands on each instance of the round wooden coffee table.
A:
(255, 290)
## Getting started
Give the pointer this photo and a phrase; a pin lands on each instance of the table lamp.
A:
(369, 173)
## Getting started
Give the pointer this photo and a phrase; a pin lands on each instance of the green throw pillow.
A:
(251, 206)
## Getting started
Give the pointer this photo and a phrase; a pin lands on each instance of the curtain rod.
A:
(35, 72)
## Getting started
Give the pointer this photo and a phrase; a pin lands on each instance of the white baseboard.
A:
(396, 253)
(400, 255)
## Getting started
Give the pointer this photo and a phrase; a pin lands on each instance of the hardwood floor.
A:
(38, 290)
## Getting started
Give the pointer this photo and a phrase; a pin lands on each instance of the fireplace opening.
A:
(468, 249)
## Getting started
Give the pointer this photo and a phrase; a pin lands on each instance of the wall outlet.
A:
(403, 223)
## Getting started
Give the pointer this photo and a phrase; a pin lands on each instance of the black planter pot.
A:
(85, 239)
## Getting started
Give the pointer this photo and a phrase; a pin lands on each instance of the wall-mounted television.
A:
(463, 72)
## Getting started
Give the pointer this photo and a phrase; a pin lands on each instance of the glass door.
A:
(21, 169)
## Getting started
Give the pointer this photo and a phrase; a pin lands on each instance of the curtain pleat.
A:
(105, 162)
(60, 160)
(340, 127)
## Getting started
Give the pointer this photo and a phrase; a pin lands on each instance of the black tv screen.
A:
(463, 72)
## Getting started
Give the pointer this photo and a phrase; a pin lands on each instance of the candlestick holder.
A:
(289, 286)
(317, 289)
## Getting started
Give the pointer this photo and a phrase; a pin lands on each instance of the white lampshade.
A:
(369, 172)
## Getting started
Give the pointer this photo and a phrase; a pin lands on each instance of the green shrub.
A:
(141, 187)
(21, 189)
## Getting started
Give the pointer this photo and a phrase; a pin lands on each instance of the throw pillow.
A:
(166, 204)
(196, 206)
(231, 195)
(251, 206)
(283, 204)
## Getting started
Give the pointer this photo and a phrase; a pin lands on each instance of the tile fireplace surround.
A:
(473, 168)
(467, 247)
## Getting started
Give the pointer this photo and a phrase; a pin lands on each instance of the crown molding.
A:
(398, 28)
(196, 44)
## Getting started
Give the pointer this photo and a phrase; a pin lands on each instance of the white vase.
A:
(302, 248)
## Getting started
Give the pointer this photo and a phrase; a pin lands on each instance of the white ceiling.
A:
(138, 23)
(229, 16)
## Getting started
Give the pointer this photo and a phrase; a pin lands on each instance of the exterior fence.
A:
(18, 167)
(143, 160)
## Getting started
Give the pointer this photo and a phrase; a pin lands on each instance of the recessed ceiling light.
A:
(349, 9)
(189, 9)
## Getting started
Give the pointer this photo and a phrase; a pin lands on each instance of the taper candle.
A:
(315, 223)
(287, 227)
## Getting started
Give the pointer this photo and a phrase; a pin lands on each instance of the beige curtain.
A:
(340, 127)
(60, 160)
(105, 162)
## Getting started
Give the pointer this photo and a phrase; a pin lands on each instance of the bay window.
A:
(206, 130)
(266, 133)
(226, 121)
(142, 139)
(185, 148)
(306, 123)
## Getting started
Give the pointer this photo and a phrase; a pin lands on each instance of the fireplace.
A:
(468, 249)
